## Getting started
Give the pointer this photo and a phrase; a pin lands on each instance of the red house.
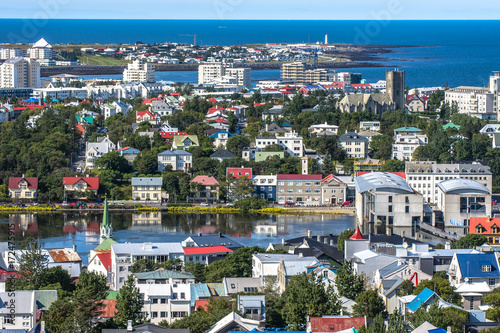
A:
(239, 172)
(334, 323)
(81, 184)
(486, 226)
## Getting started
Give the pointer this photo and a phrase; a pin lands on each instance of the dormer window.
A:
(486, 268)
(494, 229)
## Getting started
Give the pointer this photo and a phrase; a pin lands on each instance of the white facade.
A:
(404, 145)
(369, 126)
(18, 311)
(243, 76)
(208, 72)
(41, 50)
(20, 73)
(10, 53)
(60, 93)
(94, 150)
(424, 176)
(292, 143)
(323, 128)
(213, 73)
(139, 72)
(168, 302)
(180, 160)
(266, 265)
(355, 145)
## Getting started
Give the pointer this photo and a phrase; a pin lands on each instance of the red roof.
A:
(141, 114)
(92, 182)
(80, 128)
(486, 223)
(299, 177)
(105, 259)
(400, 174)
(239, 172)
(205, 180)
(330, 177)
(215, 109)
(335, 324)
(109, 309)
(174, 94)
(258, 104)
(170, 135)
(32, 182)
(205, 250)
(201, 303)
(357, 234)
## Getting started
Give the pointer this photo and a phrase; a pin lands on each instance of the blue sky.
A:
(256, 9)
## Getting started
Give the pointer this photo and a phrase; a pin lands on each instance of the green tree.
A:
(469, 241)
(382, 146)
(129, 304)
(406, 288)
(393, 166)
(59, 317)
(369, 304)
(344, 235)
(493, 299)
(305, 295)
(328, 145)
(440, 285)
(91, 289)
(348, 283)
(235, 144)
(232, 122)
(274, 147)
(32, 263)
(113, 161)
(146, 164)
(377, 326)
(243, 187)
(236, 264)
(396, 323)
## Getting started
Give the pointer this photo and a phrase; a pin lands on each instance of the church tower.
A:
(395, 87)
(106, 229)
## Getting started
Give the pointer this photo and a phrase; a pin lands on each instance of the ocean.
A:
(453, 52)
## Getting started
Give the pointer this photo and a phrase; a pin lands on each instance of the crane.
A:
(187, 35)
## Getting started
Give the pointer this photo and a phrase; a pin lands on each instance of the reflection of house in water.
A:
(147, 221)
(269, 230)
(24, 222)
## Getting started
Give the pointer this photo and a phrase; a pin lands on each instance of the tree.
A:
(305, 295)
(113, 161)
(344, 235)
(493, 299)
(274, 147)
(327, 166)
(393, 166)
(129, 304)
(406, 288)
(328, 145)
(440, 285)
(348, 283)
(235, 144)
(59, 318)
(243, 187)
(369, 304)
(377, 326)
(396, 323)
(146, 164)
(469, 241)
(232, 121)
(91, 289)
(32, 263)
(382, 146)
(236, 264)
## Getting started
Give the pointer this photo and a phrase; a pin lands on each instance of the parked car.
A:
(229, 204)
(289, 203)
(204, 204)
(346, 203)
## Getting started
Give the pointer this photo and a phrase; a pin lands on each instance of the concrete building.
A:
(395, 87)
(41, 50)
(60, 93)
(208, 72)
(9, 53)
(139, 72)
(265, 186)
(94, 150)
(208, 188)
(111, 109)
(299, 188)
(179, 160)
(476, 267)
(293, 71)
(292, 143)
(323, 128)
(355, 145)
(406, 140)
(243, 76)
(333, 191)
(19, 311)
(369, 126)
(20, 73)
(265, 265)
(386, 204)
(424, 176)
(214, 73)
(460, 199)
(146, 188)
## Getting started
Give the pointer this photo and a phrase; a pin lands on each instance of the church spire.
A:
(106, 228)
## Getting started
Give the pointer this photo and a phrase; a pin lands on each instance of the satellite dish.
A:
(405, 245)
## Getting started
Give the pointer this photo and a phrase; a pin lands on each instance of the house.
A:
(129, 153)
(367, 262)
(293, 143)
(161, 108)
(425, 298)
(333, 190)
(94, 150)
(206, 188)
(163, 276)
(220, 138)
(205, 255)
(124, 255)
(416, 103)
(100, 259)
(111, 109)
(266, 265)
(299, 188)
(151, 118)
(222, 155)
(472, 294)
(239, 172)
(146, 188)
(355, 145)
(80, 184)
(486, 226)
(289, 268)
(202, 240)
(406, 140)
(185, 141)
(323, 128)
(23, 187)
(235, 322)
(265, 186)
(334, 324)
(145, 328)
(369, 126)
(18, 311)
(477, 267)
(367, 164)
(242, 285)
(252, 306)
(178, 160)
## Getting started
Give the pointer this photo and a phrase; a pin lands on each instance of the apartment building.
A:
(424, 176)
(179, 160)
(41, 50)
(297, 72)
(406, 140)
(124, 255)
(292, 142)
(146, 188)
(243, 76)
(9, 53)
(139, 72)
(265, 186)
(299, 188)
(210, 71)
(213, 73)
(20, 73)
(355, 145)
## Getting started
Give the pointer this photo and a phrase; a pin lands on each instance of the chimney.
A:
(129, 326)
(403, 233)
(448, 329)
(267, 127)
(282, 241)
(74, 247)
(220, 234)
(325, 240)
(447, 246)
(388, 231)
(23, 175)
(301, 255)
(318, 238)
(305, 166)
(42, 326)
(309, 233)
(331, 242)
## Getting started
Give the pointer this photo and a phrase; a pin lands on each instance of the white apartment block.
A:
(293, 144)
(209, 72)
(124, 255)
(20, 73)
(424, 176)
(215, 73)
(243, 76)
(369, 126)
(41, 50)
(60, 93)
(139, 72)
(477, 101)
(355, 145)
(9, 53)
(179, 160)
(404, 145)
(168, 302)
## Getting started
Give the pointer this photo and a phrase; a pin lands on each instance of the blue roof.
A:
(471, 265)
(437, 330)
(198, 291)
(421, 299)
(215, 135)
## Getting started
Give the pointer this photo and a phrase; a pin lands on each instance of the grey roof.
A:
(174, 152)
(161, 274)
(215, 240)
(271, 257)
(223, 154)
(353, 137)
(462, 185)
(296, 267)
(382, 181)
(4, 246)
(240, 283)
(147, 248)
(390, 285)
(391, 268)
(147, 181)
(454, 168)
(147, 328)
(24, 301)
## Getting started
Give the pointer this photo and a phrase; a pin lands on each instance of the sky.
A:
(255, 9)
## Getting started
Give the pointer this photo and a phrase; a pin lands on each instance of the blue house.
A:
(265, 186)
(474, 267)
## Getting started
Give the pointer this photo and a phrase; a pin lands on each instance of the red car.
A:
(346, 203)
(289, 203)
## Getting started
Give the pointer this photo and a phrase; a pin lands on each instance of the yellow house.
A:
(146, 188)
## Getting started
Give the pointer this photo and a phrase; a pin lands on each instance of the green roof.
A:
(161, 274)
(408, 129)
(263, 155)
(105, 216)
(105, 245)
(44, 298)
(451, 125)
(113, 294)
(88, 119)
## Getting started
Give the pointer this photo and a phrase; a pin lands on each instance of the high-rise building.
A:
(242, 75)
(212, 72)
(395, 87)
(293, 71)
(10, 53)
(20, 73)
(41, 50)
(139, 72)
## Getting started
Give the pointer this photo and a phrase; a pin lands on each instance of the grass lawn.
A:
(88, 59)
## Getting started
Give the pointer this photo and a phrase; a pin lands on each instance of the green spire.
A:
(105, 217)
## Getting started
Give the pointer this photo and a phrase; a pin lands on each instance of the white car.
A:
(204, 204)
(229, 204)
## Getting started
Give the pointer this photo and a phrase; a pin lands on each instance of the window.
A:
(491, 282)
(486, 268)
(154, 300)
(407, 209)
(163, 300)
(183, 295)
(174, 296)
(163, 315)
(154, 314)
(233, 286)
(390, 198)
(389, 209)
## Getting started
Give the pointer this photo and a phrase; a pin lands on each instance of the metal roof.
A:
(147, 248)
(383, 182)
(462, 185)
(148, 181)
(161, 274)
